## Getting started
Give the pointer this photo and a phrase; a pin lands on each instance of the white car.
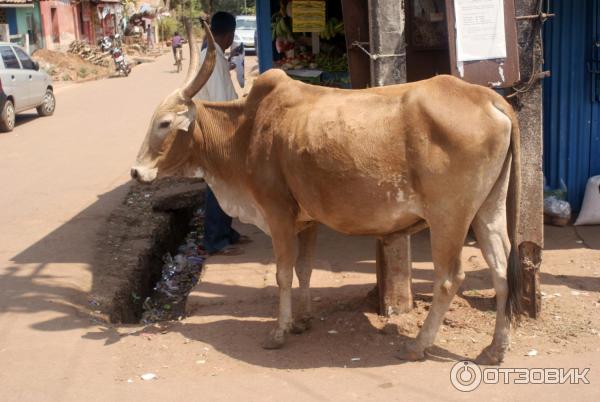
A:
(245, 28)
(22, 86)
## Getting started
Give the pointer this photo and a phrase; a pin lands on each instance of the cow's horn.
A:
(194, 82)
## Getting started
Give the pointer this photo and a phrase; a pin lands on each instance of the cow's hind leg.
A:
(286, 251)
(306, 239)
(491, 231)
(447, 237)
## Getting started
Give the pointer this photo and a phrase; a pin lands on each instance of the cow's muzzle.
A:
(142, 174)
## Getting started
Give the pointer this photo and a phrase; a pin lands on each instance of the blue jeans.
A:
(218, 232)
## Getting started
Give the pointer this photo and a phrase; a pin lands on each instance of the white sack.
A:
(590, 209)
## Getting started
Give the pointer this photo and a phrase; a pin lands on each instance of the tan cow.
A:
(363, 162)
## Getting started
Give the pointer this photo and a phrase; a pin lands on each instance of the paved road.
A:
(60, 177)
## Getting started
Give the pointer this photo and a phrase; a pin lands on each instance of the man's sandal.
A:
(229, 251)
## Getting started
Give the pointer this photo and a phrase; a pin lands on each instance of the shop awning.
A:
(16, 3)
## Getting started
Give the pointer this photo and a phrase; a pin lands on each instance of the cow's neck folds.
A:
(219, 124)
(223, 149)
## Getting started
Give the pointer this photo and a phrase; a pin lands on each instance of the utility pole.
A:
(387, 42)
(529, 108)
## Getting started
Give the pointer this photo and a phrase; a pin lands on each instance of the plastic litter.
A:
(557, 210)
(148, 376)
(556, 207)
(532, 352)
(560, 193)
(180, 273)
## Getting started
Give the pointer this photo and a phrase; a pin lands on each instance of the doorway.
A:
(55, 28)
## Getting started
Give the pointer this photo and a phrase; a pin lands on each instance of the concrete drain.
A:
(179, 275)
(148, 260)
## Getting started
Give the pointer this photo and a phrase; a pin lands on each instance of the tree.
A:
(235, 7)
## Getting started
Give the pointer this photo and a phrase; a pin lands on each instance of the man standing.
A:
(150, 35)
(219, 236)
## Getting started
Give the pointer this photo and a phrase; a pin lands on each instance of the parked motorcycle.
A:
(114, 47)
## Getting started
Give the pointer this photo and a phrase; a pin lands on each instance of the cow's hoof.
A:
(275, 340)
(301, 325)
(411, 351)
(491, 356)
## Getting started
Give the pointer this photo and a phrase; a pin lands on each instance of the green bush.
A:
(236, 7)
(167, 27)
(83, 72)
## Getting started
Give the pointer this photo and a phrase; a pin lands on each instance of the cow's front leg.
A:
(303, 316)
(285, 247)
(447, 239)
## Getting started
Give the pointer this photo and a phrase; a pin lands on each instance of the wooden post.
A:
(387, 45)
(394, 276)
(529, 107)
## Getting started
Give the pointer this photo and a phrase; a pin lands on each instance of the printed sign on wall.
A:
(308, 16)
(480, 31)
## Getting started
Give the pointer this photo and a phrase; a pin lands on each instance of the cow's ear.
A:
(184, 119)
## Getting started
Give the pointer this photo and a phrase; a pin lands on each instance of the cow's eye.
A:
(164, 124)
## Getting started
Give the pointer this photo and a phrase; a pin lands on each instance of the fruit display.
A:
(304, 60)
(333, 27)
(295, 49)
(328, 62)
(280, 27)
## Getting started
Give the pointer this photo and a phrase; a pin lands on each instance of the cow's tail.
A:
(514, 308)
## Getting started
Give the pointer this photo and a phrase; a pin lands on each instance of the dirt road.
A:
(61, 177)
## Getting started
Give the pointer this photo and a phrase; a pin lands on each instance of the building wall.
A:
(87, 14)
(67, 23)
(572, 97)
(93, 26)
(35, 30)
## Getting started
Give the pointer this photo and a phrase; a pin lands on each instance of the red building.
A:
(64, 21)
(99, 18)
(60, 23)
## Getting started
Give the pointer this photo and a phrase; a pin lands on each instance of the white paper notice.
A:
(479, 30)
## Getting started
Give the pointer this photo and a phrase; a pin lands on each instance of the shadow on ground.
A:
(24, 118)
(239, 338)
(71, 243)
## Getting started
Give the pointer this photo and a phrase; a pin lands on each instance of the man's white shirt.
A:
(219, 87)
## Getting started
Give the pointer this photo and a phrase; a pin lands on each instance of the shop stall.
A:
(306, 39)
